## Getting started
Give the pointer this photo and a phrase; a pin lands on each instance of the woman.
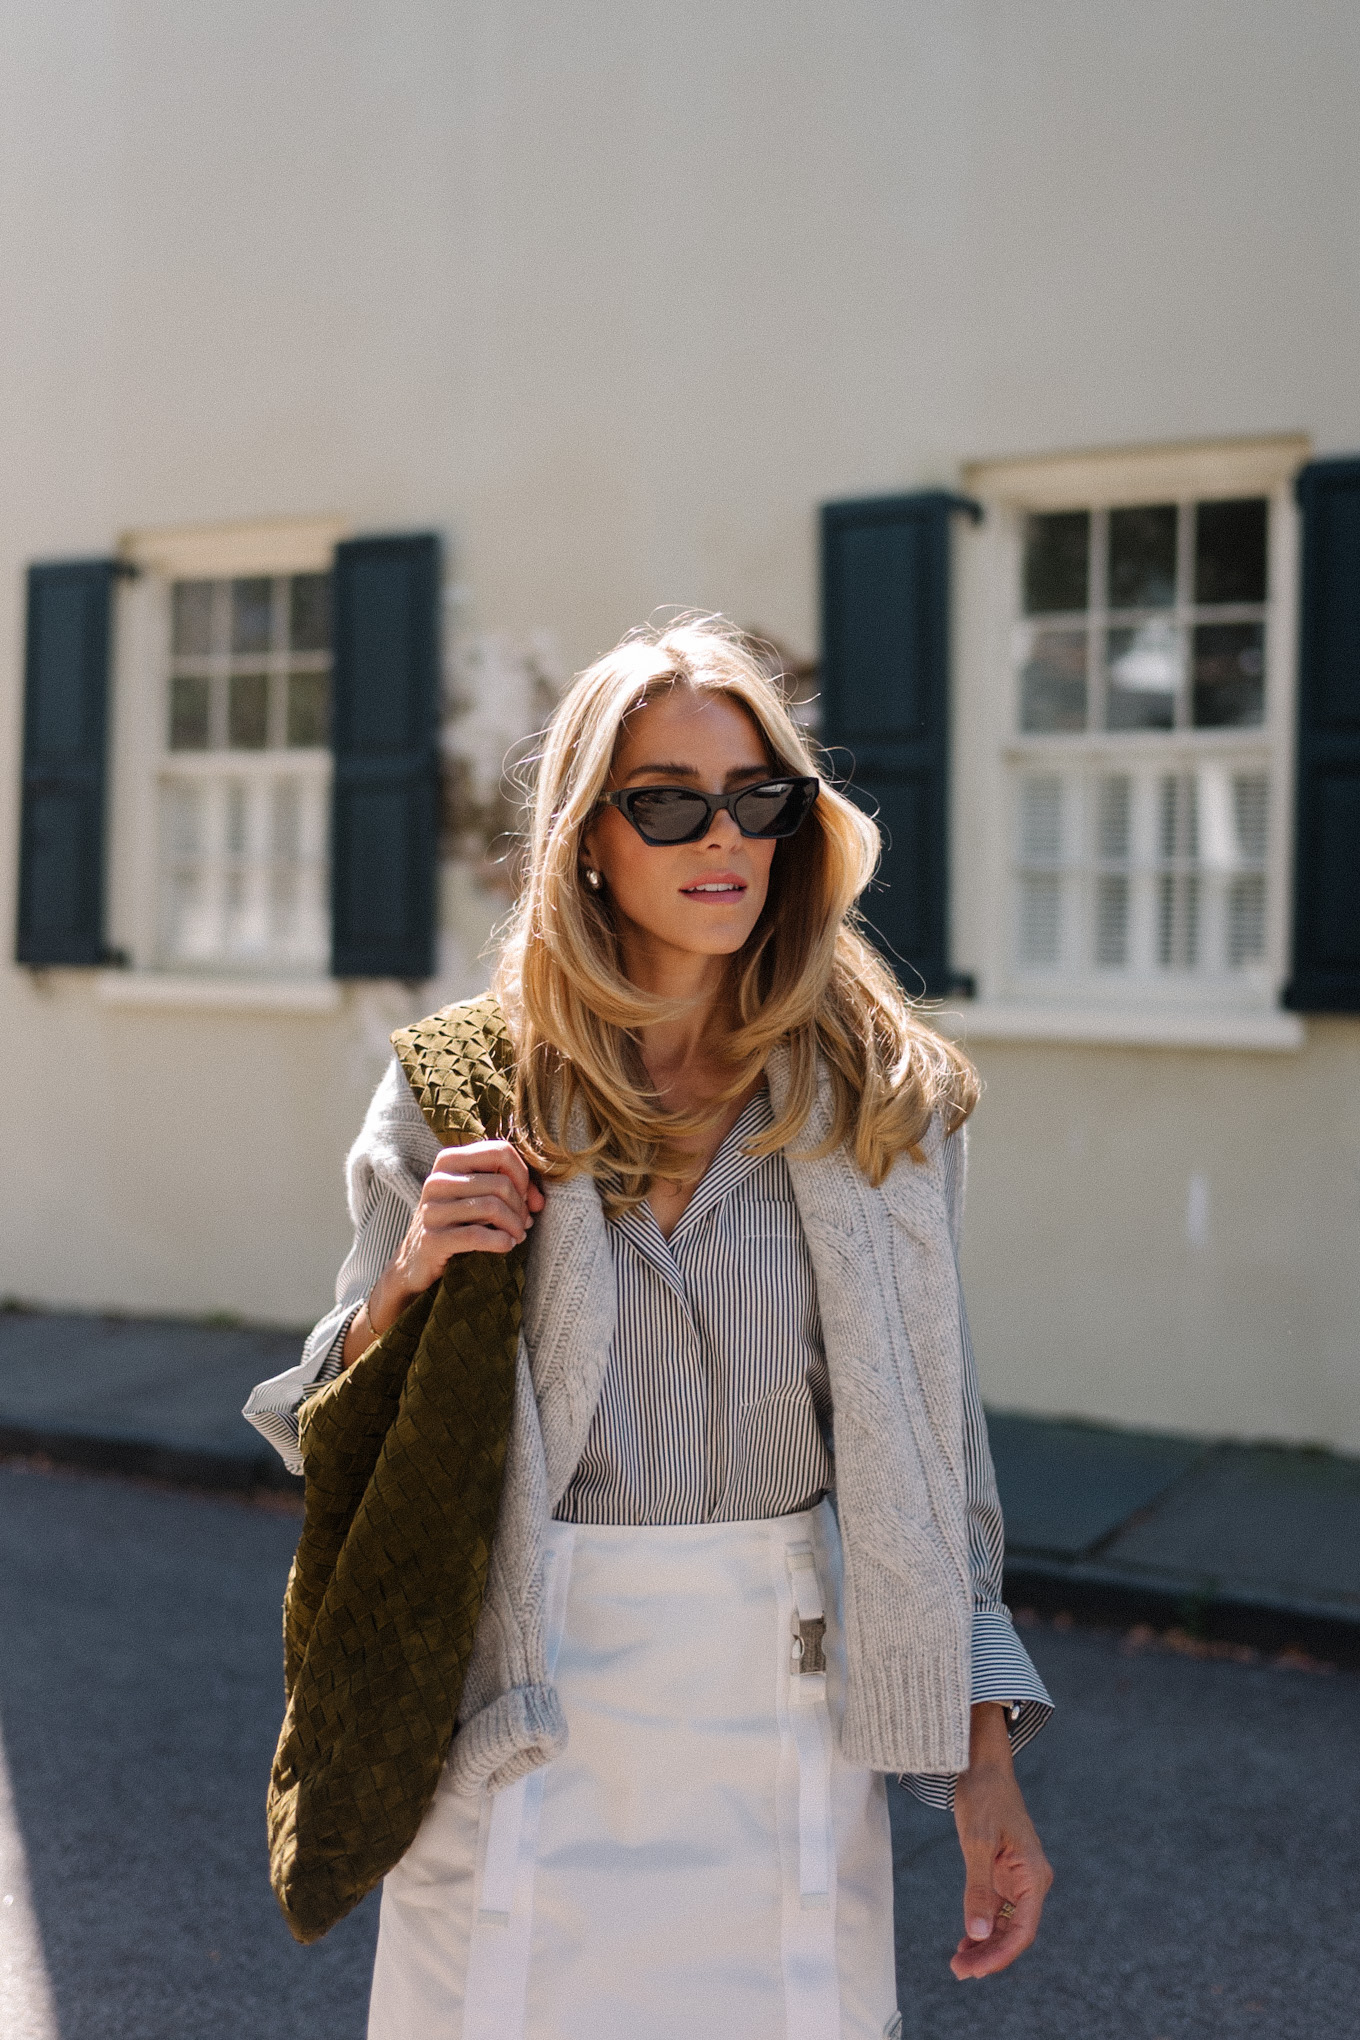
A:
(749, 1546)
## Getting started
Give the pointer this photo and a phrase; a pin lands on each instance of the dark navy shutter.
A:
(1326, 974)
(885, 692)
(385, 821)
(61, 829)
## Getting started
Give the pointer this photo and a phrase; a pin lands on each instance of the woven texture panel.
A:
(404, 1456)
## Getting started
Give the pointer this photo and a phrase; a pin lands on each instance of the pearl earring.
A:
(593, 879)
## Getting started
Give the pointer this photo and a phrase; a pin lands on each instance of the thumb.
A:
(980, 1897)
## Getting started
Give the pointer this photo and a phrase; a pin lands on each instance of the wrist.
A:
(388, 1298)
(989, 1738)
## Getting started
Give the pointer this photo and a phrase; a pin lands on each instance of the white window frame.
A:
(1178, 1009)
(139, 757)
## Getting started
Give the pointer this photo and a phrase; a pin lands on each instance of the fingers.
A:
(980, 1895)
(1019, 1880)
(485, 1156)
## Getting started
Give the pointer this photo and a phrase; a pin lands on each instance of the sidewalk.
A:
(1244, 1543)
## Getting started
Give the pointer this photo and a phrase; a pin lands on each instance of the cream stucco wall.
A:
(1171, 1237)
(614, 295)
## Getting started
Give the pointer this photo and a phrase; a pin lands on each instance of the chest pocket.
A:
(764, 1218)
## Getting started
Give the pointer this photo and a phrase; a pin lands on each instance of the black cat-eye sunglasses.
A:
(677, 814)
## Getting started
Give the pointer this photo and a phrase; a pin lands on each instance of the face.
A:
(684, 899)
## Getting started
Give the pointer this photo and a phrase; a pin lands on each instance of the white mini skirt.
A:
(699, 1861)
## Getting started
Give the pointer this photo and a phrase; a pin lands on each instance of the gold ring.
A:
(1005, 1911)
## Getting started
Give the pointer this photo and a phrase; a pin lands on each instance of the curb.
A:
(179, 1466)
(1105, 1596)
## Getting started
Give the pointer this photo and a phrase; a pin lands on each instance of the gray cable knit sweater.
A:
(902, 1388)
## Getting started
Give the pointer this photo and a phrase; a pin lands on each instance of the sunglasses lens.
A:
(667, 814)
(775, 809)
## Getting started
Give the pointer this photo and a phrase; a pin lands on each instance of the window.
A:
(243, 780)
(1143, 708)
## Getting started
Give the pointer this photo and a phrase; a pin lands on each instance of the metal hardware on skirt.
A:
(808, 1634)
(680, 814)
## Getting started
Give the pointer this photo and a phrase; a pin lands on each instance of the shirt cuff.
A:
(1002, 1671)
(273, 1407)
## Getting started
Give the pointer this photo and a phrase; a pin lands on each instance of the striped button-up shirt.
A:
(716, 1402)
(716, 1407)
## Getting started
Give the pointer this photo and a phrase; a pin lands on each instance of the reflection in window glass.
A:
(252, 605)
(309, 613)
(1229, 675)
(1057, 562)
(248, 712)
(308, 708)
(1053, 682)
(1143, 675)
(190, 712)
(1142, 573)
(191, 622)
(1230, 551)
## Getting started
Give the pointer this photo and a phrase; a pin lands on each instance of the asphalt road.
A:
(1200, 1814)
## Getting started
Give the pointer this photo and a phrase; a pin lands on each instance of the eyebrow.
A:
(673, 771)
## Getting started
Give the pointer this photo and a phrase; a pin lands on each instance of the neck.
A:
(678, 1050)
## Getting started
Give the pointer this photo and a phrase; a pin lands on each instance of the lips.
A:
(715, 885)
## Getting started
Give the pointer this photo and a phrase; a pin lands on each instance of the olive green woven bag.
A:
(404, 1456)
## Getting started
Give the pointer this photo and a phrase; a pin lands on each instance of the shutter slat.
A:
(385, 816)
(885, 683)
(61, 836)
(1326, 965)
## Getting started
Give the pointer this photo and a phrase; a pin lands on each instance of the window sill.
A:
(168, 991)
(1126, 1027)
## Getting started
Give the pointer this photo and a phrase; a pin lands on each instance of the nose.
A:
(723, 831)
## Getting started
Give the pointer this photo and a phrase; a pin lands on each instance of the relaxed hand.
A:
(478, 1199)
(1003, 1857)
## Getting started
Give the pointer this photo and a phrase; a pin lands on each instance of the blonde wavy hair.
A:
(806, 979)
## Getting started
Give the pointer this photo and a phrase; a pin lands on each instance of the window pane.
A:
(248, 711)
(1230, 551)
(309, 702)
(1041, 819)
(1143, 669)
(1143, 557)
(251, 607)
(1250, 796)
(1112, 920)
(190, 702)
(1112, 817)
(1053, 682)
(1178, 831)
(1057, 562)
(1230, 675)
(309, 613)
(1246, 920)
(1040, 919)
(1178, 921)
(192, 617)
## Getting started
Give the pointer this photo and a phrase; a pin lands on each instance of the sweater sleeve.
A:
(385, 1170)
(1002, 1668)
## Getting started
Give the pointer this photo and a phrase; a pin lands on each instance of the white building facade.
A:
(371, 370)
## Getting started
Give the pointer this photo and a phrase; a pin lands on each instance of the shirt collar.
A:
(729, 1168)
